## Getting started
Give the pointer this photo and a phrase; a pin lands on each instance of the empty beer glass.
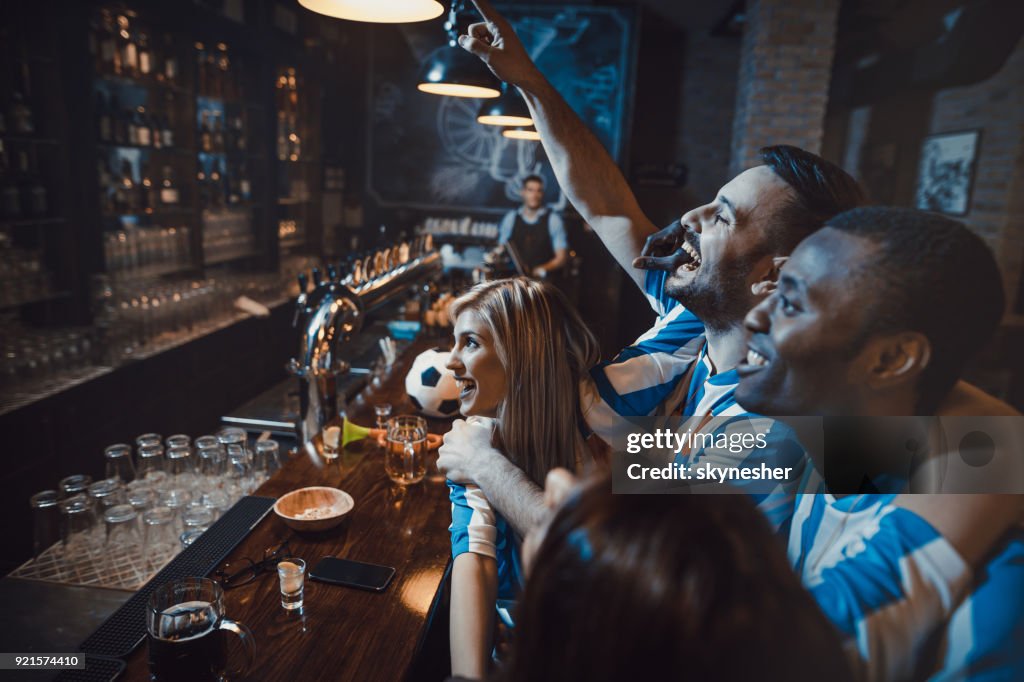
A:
(196, 517)
(266, 460)
(179, 467)
(148, 439)
(79, 542)
(178, 440)
(405, 455)
(151, 461)
(119, 462)
(160, 536)
(212, 465)
(105, 494)
(74, 485)
(45, 521)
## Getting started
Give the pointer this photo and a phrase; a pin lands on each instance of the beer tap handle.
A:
(303, 283)
(317, 277)
(332, 273)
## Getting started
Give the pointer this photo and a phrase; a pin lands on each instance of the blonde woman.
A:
(520, 353)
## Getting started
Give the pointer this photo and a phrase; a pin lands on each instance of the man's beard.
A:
(720, 305)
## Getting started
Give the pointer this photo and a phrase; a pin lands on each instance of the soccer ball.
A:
(431, 386)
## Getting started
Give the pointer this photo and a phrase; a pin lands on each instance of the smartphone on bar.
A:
(352, 574)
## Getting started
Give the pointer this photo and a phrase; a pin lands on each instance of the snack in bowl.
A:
(313, 509)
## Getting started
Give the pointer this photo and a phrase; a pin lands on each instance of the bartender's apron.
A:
(532, 242)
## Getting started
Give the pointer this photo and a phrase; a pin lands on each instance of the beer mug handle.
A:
(248, 643)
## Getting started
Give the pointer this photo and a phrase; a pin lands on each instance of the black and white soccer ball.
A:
(431, 386)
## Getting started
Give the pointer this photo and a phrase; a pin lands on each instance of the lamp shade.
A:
(522, 134)
(507, 110)
(454, 72)
(377, 11)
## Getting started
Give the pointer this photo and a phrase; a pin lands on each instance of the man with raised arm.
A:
(701, 275)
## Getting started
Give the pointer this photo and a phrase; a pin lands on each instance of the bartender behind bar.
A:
(536, 233)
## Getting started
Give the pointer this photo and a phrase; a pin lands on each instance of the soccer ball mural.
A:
(431, 386)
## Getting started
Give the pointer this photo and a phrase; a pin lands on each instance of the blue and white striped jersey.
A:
(645, 380)
(907, 603)
(477, 528)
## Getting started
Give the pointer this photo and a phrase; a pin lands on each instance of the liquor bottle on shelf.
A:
(145, 56)
(231, 182)
(156, 133)
(170, 119)
(147, 190)
(20, 113)
(282, 136)
(294, 142)
(238, 133)
(126, 198)
(110, 57)
(205, 136)
(170, 70)
(203, 77)
(168, 190)
(218, 132)
(216, 191)
(132, 124)
(244, 184)
(223, 68)
(104, 121)
(203, 185)
(166, 132)
(127, 47)
(143, 129)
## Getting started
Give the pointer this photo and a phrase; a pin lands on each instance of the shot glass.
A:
(291, 573)
(331, 443)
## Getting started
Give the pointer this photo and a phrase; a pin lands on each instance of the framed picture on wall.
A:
(946, 173)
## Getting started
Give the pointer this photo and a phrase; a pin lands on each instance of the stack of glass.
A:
(123, 528)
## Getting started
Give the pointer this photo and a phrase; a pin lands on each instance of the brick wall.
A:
(709, 96)
(996, 209)
(784, 74)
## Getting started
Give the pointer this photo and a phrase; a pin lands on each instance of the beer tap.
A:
(332, 311)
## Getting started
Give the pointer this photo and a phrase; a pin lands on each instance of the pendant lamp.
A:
(377, 11)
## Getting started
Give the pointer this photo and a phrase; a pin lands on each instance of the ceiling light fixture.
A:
(507, 110)
(522, 134)
(454, 72)
(377, 11)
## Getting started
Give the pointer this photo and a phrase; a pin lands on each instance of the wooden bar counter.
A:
(345, 633)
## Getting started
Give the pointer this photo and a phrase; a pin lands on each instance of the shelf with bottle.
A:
(24, 196)
(24, 277)
(219, 72)
(290, 130)
(127, 51)
(136, 188)
(133, 118)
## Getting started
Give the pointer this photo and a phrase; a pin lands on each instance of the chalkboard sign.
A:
(427, 151)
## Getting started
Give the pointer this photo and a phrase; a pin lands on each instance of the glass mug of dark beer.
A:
(186, 625)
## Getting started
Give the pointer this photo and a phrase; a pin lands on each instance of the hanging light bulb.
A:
(522, 134)
(507, 110)
(377, 11)
(454, 72)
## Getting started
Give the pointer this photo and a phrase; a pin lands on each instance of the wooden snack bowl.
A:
(290, 505)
